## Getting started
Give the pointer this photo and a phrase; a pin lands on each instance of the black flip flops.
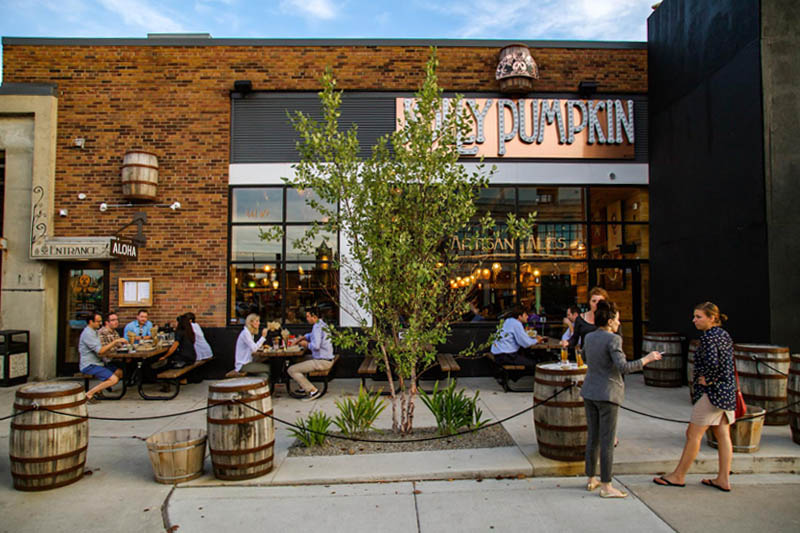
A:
(710, 483)
(664, 482)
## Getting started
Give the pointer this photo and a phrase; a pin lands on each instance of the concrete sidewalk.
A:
(122, 474)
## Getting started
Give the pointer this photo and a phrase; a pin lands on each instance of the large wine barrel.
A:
(745, 433)
(793, 390)
(48, 450)
(561, 422)
(760, 384)
(694, 344)
(177, 455)
(668, 372)
(140, 175)
(241, 439)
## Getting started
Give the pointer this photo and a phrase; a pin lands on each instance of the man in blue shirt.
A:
(91, 349)
(140, 327)
(509, 347)
(321, 354)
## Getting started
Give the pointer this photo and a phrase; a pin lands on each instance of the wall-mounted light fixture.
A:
(79, 142)
(82, 196)
(242, 87)
(587, 88)
(174, 206)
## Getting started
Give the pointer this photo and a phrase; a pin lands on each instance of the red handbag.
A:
(741, 407)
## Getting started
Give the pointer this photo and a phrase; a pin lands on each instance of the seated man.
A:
(321, 354)
(91, 349)
(140, 327)
(509, 346)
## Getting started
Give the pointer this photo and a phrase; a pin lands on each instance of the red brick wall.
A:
(174, 101)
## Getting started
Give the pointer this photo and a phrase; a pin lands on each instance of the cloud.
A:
(548, 19)
(140, 14)
(316, 9)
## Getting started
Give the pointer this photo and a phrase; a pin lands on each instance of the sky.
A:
(595, 20)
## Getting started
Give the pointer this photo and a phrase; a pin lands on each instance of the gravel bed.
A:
(491, 437)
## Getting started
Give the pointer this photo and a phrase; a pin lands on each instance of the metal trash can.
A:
(14, 357)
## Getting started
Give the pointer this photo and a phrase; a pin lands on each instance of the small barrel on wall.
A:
(668, 372)
(140, 175)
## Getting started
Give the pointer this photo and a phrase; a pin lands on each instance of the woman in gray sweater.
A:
(603, 391)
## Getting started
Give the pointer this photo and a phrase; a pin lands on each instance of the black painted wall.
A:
(707, 192)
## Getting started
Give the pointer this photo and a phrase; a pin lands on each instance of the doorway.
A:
(82, 288)
(627, 283)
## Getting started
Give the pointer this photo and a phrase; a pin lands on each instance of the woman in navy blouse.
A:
(714, 399)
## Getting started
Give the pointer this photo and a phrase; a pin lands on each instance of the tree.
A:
(398, 212)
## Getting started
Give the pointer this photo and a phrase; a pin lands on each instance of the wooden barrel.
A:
(561, 422)
(745, 433)
(140, 175)
(760, 384)
(668, 372)
(793, 395)
(694, 345)
(177, 455)
(240, 439)
(48, 450)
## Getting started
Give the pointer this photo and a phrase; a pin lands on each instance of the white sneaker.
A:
(313, 395)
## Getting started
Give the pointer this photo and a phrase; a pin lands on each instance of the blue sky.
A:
(603, 20)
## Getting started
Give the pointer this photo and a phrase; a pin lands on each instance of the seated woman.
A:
(246, 346)
(183, 347)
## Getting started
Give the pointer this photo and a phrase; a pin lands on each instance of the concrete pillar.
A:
(30, 288)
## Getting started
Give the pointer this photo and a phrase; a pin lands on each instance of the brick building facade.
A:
(172, 97)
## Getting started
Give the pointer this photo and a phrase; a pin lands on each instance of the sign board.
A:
(124, 248)
(543, 127)
(71, 248)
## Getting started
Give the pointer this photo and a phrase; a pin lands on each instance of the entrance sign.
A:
(543, 127)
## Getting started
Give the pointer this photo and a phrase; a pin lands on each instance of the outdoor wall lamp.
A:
(174, 206)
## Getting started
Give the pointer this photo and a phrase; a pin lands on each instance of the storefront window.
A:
(274, 278)
(549, 270)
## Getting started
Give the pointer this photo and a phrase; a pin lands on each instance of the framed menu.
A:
(135, 292)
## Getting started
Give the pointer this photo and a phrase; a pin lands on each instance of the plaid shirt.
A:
(107, 335)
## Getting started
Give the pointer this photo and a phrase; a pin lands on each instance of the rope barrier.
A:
(687, 421)
(354, 439)
(760, 362)
(422, 439)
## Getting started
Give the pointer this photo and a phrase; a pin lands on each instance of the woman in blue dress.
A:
(714, 399)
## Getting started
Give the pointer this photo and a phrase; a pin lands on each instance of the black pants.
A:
(522, 357)
(601, 419)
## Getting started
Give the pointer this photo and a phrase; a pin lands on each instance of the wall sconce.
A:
(242, 87)
(79, 142)
(174, 206)
(587, 88)
(82, 196)
(63, 212)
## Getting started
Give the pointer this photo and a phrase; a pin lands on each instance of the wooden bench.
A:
(173, 377)
(369, 367)
(88, 377)
(503, 372)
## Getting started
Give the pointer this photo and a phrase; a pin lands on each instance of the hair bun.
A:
(723, 317)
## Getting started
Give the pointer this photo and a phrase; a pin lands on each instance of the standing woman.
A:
(713, 396)
(585, 323)
(603, 392)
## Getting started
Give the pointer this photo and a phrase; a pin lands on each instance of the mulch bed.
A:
(492, 437)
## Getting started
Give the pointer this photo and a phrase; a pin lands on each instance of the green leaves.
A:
(357, 416)
(311, 429)
(453, 410)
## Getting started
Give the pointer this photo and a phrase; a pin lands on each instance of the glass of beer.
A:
(564, 355)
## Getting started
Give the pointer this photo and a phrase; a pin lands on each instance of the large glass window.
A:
(272, 277)
(549, 270)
